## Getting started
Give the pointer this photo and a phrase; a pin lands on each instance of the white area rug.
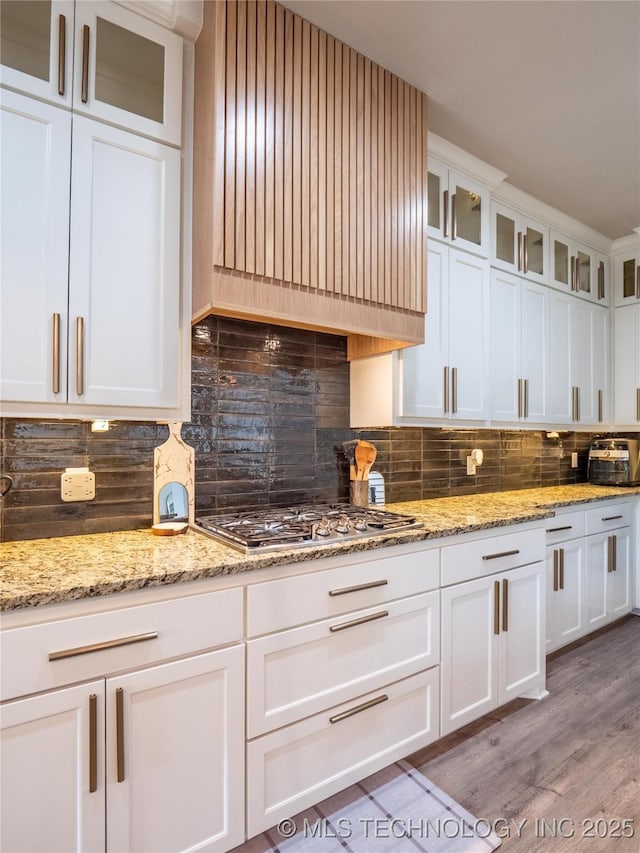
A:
(397, 810)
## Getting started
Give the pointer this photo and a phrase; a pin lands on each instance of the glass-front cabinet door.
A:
(128, 71)
(457, 209)
(626, 273)
(36, 48)
(573, 266)
(518, 244)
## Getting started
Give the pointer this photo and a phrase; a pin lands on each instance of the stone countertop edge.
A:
(50, 571)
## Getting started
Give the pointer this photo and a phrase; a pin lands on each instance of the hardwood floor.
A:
(562, 774)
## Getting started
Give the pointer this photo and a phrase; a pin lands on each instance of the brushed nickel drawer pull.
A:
(519, 398)
(501, 554)
(62, 37)
(558, 529)
(496, 607)
(119, 735)
(526, 398)
(56, 354)
(362, 621)
(446, 389)
(359, 708)
(79, 356)
(454, 390)
(555, 571)
(505, 604)
(84, 94)
(93, 743)
(600, 405)
(561, 568)
(347, 589)
(98, 647)
(445, 219)
(612, 517)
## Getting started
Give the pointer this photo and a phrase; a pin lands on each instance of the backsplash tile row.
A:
(270, 408)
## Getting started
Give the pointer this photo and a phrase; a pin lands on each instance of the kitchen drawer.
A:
(301, 671)
(295, 767)
(608, 516)
(481, 557)
(279, 604)
(566, 525)
(133, 636)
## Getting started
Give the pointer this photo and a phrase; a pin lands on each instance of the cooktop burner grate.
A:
(308, 524)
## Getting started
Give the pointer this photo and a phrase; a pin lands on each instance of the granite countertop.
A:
(47, 571)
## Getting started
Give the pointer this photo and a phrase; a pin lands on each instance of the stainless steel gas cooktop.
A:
(304, 525)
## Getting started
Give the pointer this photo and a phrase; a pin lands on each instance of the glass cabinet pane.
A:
(468, 215)
(535, 251)
(505, 242)
(129, 71)
(583, 263)
(433, 199)
(628, 278)
(560, 262)
(25, 41)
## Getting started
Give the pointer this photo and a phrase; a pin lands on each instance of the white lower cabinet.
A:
(565, 593)
(147, 760)
(608, 577)
(492, 643)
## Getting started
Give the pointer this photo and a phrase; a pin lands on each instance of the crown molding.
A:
(182, 16)
(462, 161)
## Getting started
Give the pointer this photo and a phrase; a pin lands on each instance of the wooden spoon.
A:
(365, 457)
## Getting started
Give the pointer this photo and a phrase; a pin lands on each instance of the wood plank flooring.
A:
(555, 775)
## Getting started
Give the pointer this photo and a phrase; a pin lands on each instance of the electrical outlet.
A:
(471, 465)
(77, 484)
(574, 459)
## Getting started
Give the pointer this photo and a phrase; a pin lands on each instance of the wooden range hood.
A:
(309, 181)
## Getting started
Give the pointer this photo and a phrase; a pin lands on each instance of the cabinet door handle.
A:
(445, 213)
(79, 356)
(601, 293)
(505, 604)
(526, 398)
(600, 405)
(84, 94)
(496, 607)
(347, 589)
(558, 529)
(56, 354)
(501, 554)
(343, 715)
(615, 553)
(610, 553)
(638, 404)
(573, 402)
(573, 273)
(525, 254)
(612, 517)
(446, 389)
(93, 743)
(578, 400)
(362, 621)
(519, 251)
(62, 54)
(561, 568)
(98, 647)
(638, 282)
(555, 571)
(454, 217)
(454, 390)
(120, 734)
(519, 398)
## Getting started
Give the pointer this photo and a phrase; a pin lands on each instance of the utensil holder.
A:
(359, 492)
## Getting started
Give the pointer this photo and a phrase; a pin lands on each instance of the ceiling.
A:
(547, 91)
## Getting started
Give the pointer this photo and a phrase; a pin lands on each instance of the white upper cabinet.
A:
(446, 376)
(458, 209)
(626, 277)
(98, 58)
(519, 312)
(573, 267)
(519, 244)
(627, 366)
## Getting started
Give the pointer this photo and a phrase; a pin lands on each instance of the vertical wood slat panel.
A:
(287, 236)
(230, 142)
(324, 142)
(251, 194)
(219, 106)
(241, 131)
(313, 157)
(262, 147)
(321, 155)
(278, 145)
(297, 150)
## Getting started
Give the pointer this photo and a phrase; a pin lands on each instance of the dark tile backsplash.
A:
(270, 408)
